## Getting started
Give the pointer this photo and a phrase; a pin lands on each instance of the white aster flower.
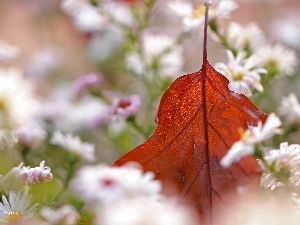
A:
(119, 11)
(74, 144)
(193, 17)
(243, 73)
(31, 134)
(285, 166)
(17, 105)
(289, 33)
(39, 174)
(278, 59)
(244, 37)
(141, 211)
(12, 179)
(103, 45)
(72, 6)
(86, 17)
(290, 108)
(66, 214)
(249, 138)
(103, 184)
(159, 55)
(7, 51)
(17, 208)
(89, 112)
(44, 61)
(89, 19)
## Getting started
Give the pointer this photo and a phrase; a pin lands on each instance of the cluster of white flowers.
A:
(249, 139)
(17, 208)
(89, 18)
(159, 54)
(17, 105)
(284, 164)
(16, 99)
(88, 112)
(261, 58)
(104, 184)
(242, 73)
(140, 211)
(127, 195)
(36, 175)
(74, 144)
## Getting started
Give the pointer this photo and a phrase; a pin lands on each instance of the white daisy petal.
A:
(17, 208)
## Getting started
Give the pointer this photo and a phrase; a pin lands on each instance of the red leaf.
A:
(198, 121)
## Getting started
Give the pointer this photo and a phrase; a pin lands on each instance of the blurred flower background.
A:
(80, 83)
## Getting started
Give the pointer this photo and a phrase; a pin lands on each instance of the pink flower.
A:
(125, 107)
(39, 174)
(88, 81)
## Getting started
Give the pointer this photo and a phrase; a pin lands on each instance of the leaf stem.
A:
(207, 5)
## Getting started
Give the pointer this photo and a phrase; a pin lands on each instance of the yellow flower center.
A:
(4, 104)
(272, 63)
(199, 11)
(238, 76)
(245, 134)
(12, 217)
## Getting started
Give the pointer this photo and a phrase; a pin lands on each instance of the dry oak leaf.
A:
(198, 121)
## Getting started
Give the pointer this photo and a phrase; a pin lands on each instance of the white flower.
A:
(18, 207)
(141, 211)
(290, 108)
(278, 59)
(193, 17)
(89, 112)
(242, 72)
(8, 139)
(285, 164)
(103, 184)
(119, 11)
(74, 144)
(102, 45)
(7, 51)
(17, 105)
(243, 37)
(10, 177)
(238, 150)
(72, 6)
(86, 17)
(289, 34)
(159, 54)
(31, 134)
(249, 138)
(66, 214)
(44, 61)
(89, 19)
(39, 174)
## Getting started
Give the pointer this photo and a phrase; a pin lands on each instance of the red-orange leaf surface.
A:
(198, 121)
